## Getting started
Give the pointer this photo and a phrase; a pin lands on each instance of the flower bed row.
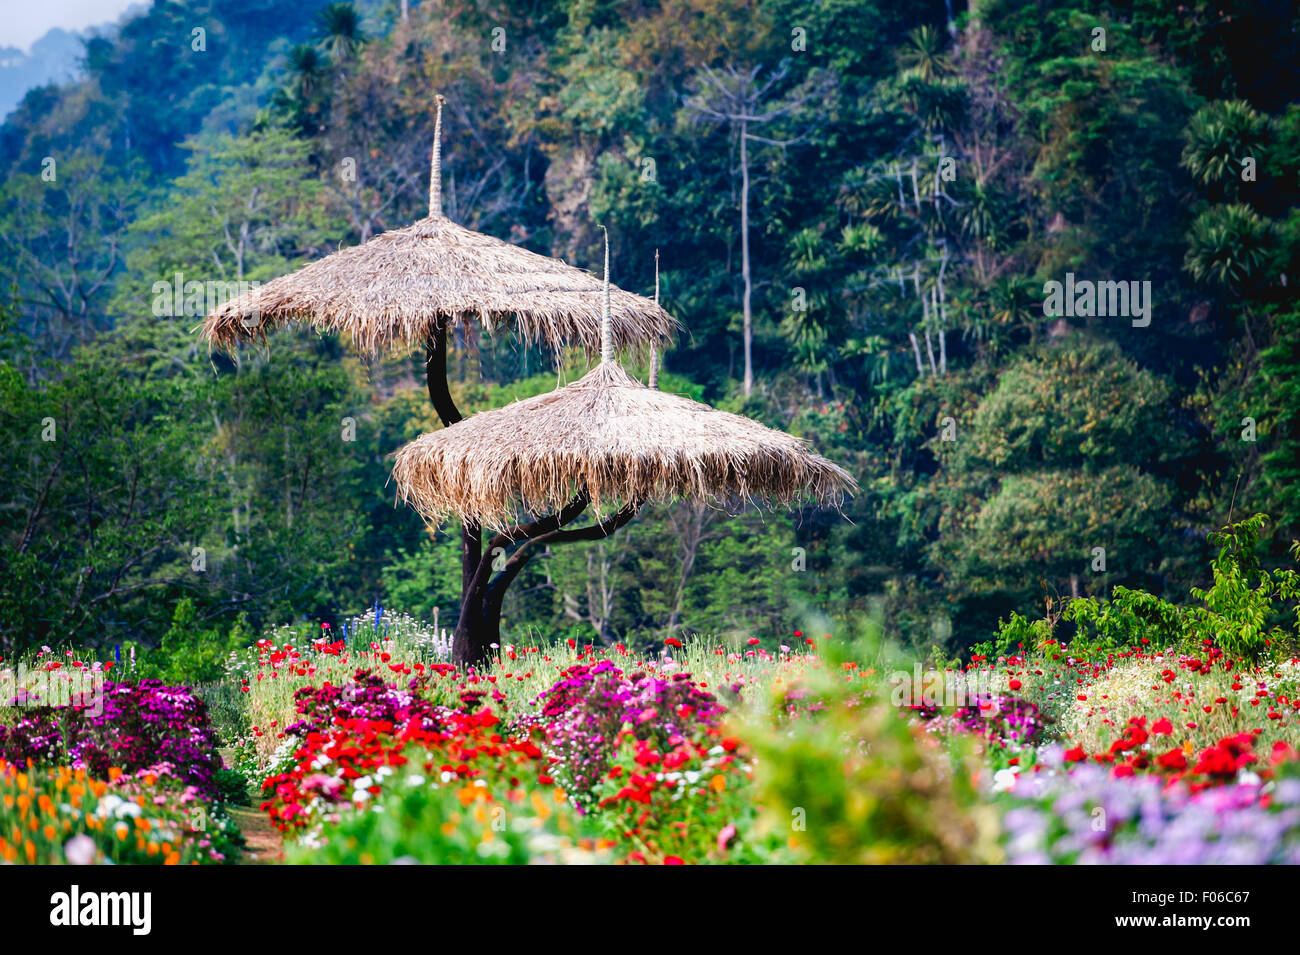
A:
(619, 762)
(130, 775)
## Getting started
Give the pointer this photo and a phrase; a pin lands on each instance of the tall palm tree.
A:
(922, 55)
(338, 25)
(299, 98)
(1218, 138)
(1229, 247)
(306, 70)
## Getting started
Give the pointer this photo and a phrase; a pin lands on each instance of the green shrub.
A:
(856, 782)
(414, 821)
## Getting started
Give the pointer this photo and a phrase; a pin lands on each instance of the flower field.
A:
(1130, 744)
(374, 752)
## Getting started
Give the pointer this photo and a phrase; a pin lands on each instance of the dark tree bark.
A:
(474, 636)
(435, 370)
(495, 590)
(481, 595)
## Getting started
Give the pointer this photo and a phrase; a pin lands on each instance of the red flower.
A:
(1076, 755)
(1014, 684)
(1162, 727)
(673, 642)
(1174, 760)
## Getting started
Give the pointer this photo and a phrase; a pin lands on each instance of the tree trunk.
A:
(470, 644)
(471, 537)
(487, 629)
(748, 385)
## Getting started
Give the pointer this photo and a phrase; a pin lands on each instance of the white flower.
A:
(1247, 778)
(80, 850)
(1004, 780)
(415, 780)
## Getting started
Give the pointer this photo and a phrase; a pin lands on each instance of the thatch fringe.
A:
(617, 439)
(391, 292)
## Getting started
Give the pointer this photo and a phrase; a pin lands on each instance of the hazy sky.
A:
(24, 21)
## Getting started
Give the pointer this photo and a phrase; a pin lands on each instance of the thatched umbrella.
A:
(606, 443)
(405, 288)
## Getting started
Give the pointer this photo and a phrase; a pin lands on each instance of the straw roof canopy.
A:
(394, 290)
(614, 437)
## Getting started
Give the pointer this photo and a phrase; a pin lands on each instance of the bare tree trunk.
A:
(471, 537)
(748, 386)
(694, 518)
(929, 344)
(936, 311)
(534, 537)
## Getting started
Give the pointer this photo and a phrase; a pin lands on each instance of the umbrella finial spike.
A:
(435, 171)
(654, 349)
(606, 323)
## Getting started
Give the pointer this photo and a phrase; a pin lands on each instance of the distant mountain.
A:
(54, 58)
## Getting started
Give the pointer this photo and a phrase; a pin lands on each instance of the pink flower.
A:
(725, 836)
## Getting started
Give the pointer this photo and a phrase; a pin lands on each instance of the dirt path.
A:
(263, 845)
(263, 842)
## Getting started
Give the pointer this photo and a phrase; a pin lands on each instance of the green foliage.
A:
(1244, 612)
(861, 784)
(1229, 246)
(886, 297)
(231, 787)
(1239, 606)
(414, 822)
(1055, 461)
(190, 653)
(1015, 636)
(1221, 137)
